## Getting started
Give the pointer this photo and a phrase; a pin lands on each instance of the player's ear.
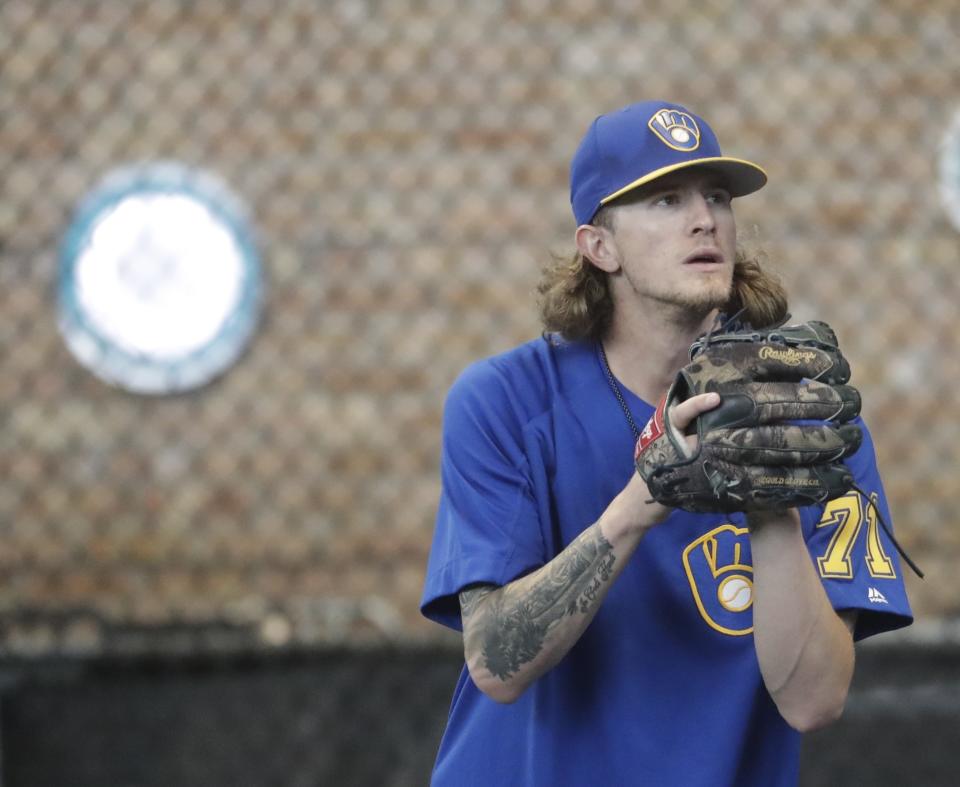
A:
(597, 245)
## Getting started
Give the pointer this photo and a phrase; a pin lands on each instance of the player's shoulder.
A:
(526, 377)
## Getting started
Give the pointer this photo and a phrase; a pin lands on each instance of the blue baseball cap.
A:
(642, 142)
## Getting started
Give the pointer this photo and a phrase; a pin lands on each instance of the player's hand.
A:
(685, 413)
(635, 503)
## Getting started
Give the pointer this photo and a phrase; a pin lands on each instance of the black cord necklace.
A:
(615, 387)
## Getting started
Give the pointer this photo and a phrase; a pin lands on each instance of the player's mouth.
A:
(704, 258)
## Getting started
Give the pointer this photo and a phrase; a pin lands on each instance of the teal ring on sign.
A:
(160, 284)
(950, 171)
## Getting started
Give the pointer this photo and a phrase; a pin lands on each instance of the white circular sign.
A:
(159, 279)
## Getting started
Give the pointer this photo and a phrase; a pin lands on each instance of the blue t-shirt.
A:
(663, 688)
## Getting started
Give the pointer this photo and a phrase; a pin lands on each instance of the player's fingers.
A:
(774, 488)
(684, 413)
(765, 403)
(784, 445)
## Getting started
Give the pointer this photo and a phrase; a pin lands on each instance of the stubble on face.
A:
(695, 298)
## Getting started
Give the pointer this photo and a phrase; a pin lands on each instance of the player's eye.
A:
(667, 198)
(718, 197)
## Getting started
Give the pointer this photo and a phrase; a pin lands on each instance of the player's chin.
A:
(708, 295)
(712, 275)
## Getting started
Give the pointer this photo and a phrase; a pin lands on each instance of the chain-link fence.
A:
(404, 165)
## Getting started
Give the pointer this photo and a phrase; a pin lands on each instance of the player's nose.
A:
(702, 219)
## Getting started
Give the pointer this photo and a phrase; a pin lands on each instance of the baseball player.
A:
(609, 638)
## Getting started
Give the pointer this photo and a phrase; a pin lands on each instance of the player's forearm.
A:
(515, 633)
(804, 649)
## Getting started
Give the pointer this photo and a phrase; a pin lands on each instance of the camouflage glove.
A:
(779, 435)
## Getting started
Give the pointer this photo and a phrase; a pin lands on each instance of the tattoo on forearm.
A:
(514, 624)
(471, 598)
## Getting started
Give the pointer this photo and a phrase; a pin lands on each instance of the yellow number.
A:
(846, 514)
(878, 564)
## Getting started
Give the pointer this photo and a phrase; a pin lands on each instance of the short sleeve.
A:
(487, 526)
(856, 559)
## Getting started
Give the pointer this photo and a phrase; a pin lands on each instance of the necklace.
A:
(615, 387)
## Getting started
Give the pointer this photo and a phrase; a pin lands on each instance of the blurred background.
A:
(217, 582)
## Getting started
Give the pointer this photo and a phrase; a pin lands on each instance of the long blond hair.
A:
(575, 301)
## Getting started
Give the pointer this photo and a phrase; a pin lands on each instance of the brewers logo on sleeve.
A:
(718, 567)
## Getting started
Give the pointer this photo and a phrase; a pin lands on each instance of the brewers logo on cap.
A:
(676, 129)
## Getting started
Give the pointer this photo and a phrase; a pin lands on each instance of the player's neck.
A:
(646, 349)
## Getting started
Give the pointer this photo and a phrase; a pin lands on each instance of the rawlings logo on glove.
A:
(788, 356)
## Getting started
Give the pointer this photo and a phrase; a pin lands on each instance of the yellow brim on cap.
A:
(743, 177)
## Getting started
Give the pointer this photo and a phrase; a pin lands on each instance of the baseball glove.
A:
(779, 435)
